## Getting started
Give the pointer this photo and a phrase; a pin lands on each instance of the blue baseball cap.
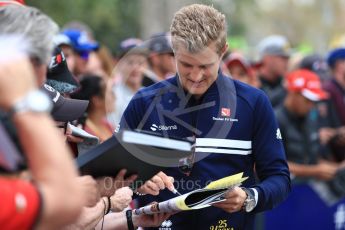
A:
(335, 55)
(80, 41)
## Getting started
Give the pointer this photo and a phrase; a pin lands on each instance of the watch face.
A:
(38, 102)
(250, 205)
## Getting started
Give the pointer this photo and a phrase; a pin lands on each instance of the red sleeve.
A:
(20, 204)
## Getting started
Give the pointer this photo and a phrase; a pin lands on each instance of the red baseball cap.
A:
(237, 58)
(17, 2)
(307, 83)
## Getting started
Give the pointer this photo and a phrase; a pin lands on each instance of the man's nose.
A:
(196, 74)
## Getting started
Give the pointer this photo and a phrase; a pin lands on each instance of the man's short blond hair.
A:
(197, 26)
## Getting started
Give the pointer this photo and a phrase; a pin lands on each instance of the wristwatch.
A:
(249, 203)
(35, 101)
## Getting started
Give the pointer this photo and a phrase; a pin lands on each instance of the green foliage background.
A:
(110, 20)
(315, 24)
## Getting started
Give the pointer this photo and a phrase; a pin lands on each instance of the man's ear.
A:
(224, 49)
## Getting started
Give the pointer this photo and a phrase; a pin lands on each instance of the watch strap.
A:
(109, 205)
(249, 192)
(18, 107)
(129, 219)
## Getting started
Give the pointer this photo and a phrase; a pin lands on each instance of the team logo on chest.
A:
(225, 114)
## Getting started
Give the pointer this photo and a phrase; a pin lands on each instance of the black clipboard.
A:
(140, 153)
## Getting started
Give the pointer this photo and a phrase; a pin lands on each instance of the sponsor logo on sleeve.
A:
(339, 217)
(278, 134)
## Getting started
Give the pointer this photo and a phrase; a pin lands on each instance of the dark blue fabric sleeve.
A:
(270, 161)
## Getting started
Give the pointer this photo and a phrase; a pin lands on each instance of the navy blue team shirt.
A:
(236, 131)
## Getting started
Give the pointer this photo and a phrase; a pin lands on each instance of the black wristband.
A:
(129, 220)
(109, 205)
